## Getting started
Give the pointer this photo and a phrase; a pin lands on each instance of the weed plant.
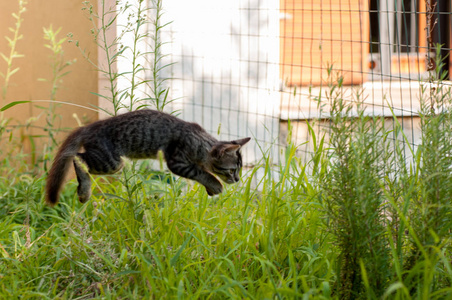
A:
(10, 57)
(59, 67)
(430, 213)
(353, 198)
(142, 28)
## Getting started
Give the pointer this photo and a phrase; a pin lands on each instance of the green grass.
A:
(154, 239)
(147, 234)
(356, 221)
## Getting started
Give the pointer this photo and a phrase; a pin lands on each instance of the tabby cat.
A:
(188, 149)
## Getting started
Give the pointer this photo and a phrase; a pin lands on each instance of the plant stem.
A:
(12, 43)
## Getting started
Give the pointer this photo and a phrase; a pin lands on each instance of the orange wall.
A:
(317, 33)
(35, 64)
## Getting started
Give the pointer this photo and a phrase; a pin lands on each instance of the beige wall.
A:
(35, 64)
(314, 34)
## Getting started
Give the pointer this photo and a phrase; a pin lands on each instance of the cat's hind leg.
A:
(94, 162)
(101, 161)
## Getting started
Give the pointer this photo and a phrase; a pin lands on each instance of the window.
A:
(397, 39)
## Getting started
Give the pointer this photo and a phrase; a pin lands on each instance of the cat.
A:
(189, 151)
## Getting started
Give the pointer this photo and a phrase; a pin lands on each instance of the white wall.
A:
(226, 70)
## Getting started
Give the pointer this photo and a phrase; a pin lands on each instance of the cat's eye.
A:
(231, 171)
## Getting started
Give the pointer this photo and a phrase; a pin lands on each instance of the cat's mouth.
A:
(230, 180)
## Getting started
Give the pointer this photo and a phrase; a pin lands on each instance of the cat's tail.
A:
(61, 165)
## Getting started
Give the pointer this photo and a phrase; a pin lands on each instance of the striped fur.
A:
(188, 149)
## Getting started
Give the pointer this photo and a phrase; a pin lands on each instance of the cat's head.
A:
(226, 160)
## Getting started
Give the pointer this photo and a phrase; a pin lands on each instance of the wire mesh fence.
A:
(245, 68)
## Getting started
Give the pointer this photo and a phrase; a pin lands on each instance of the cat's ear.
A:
(219, 150)
(242, 142)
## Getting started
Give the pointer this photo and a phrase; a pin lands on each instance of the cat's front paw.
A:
(214, 189)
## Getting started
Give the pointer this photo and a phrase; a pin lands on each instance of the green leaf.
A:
(17, 55)
(14, 103)
(4, 57)
(13, 71)
(175, 258)
(127, 272)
